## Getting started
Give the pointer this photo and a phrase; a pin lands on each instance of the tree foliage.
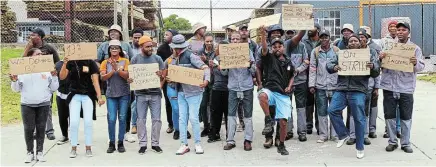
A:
(175, 22)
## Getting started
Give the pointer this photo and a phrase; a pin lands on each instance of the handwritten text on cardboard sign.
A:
(28, 65)
(81, 51)
(185, 75)
(235, 55)
(297, 17)
(353, 61)
(398, 56)
(144, 76)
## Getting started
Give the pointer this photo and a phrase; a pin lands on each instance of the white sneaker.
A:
(321, 141)
(182, 150)
(198, 149)
(341, 142)
(40, 157)
(360, 154)
(29, 157)
(129, 138)
(239, 128)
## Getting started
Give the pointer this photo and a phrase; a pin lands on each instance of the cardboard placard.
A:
(81, 51)
(234, 55)
(144, 76)
(353, 62)
(265, 21)
(28, 65)
(185, 75)
(297, 17)
(398, 57)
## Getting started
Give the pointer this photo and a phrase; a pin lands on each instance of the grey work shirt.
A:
(319, 77)
(298, 55)
(399, 81)
(241, 79)
(142, 59)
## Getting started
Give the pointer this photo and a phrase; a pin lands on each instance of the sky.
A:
(220, 17)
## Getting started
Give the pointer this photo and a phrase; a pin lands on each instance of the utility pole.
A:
(211, 21)
(125, 18)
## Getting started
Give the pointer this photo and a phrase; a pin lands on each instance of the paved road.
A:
(307, 153)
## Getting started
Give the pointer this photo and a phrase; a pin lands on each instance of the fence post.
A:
(68, 21)
(124, 19)
(115, 12)
(211, 20)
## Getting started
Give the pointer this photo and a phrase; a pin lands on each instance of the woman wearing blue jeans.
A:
(84, 91)
(115, 72)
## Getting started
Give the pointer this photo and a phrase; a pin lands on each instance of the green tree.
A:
(175, 22)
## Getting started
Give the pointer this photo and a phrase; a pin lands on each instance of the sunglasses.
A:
(114, 48)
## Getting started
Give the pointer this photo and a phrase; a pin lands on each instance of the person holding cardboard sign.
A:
(398, 88)
(351, 92)
(189, 96)
(278, 85)
(114, 71)
(148, 98)
(240, 91)
(36, 91)
(37, 41)
(84, 91)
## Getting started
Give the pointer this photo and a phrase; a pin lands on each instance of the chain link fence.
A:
(89, 20)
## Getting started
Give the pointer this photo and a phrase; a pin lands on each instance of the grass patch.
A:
(428, 78)
(10, 101)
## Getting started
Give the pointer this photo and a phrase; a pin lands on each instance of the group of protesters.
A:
(280, 65)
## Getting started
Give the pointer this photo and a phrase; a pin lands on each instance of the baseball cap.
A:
(324, 32)
(243, 26)
(403, 24)
(277, 40)
(39, 31)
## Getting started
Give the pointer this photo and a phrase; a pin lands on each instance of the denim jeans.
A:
(247, 103)
(77, 102)
(172, 96)
(144, 103)
(356, 102)
(117, 106)
(134, 113)
(322, 100)
(189, 107)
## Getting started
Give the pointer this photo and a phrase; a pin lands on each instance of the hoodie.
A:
(36, 89)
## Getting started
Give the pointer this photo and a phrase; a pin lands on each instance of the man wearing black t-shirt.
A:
(277, 87)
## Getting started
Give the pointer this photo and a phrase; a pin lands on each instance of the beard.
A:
(277, 53)
(147, 53)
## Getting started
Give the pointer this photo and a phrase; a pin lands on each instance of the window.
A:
(331, 21)
(25, 31)
(57, 30)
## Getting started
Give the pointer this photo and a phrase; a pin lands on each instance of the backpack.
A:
(335, 49)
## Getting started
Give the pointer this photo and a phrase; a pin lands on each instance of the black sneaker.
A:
(111, 148)
(205, 132)
(277, 142)
(269, 126)
(386, 135)
(399, 135)
(366, 141)
(121, 148)
(63, 140)
(302, 138)
(213, 139)
(51, 136)
(189, 135)
(282, 150)
(156, 149)
(142, 150)
(176, 135)
(309, 131)
(407, 149)
(372, 135)
(351, 141)
(289, 136)
(391, 147)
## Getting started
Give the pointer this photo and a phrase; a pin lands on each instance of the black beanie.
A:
(174, 32)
